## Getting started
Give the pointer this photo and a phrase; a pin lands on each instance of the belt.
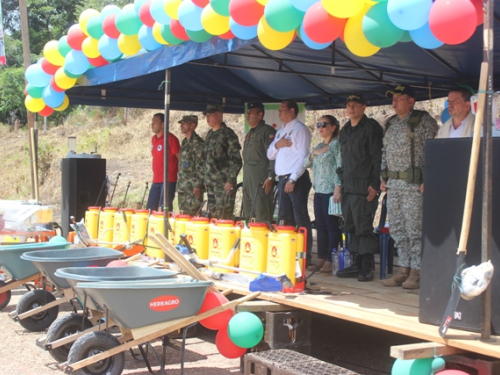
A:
(397, 175)
(284, 176)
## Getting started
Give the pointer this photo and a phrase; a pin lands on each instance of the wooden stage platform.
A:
(372, 304)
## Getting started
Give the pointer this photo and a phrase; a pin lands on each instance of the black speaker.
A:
(446, 172)
(82, 180)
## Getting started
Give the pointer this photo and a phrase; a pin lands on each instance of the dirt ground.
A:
(20, 356)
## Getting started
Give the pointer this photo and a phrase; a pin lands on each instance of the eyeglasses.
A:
(322, 124)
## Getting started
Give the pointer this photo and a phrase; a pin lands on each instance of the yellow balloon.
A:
(90, 47)
(214, 23)
(62, 80)
(63, 106)
(84, 18)
(52, 54)
(354, 37)
(157, 33)
(272, 39)
(343, 8)
(171, 7)
(34, 105)
(129, 44)
(262, 2)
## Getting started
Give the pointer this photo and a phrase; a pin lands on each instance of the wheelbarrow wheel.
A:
(31, 300)
(62, 327)
(4, 297)
(92, 344)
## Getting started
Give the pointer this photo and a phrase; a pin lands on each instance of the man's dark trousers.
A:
(358, 221)
(293, 206)
(155, 198)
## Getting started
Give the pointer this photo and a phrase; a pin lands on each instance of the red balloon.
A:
(452, 21)
(227, 36)
(98, 61)
(46, 111)
(217, 321)
(117, 263)
(201, 3)
(109, 27)
(145, 14)
(25, 93)
(48, 67)
(320, 26)
(478, 4)
(75, 37)
(246, 12)
(54, 85)
(226, 347)
(178, 30)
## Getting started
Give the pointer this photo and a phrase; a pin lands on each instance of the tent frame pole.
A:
(166, 153)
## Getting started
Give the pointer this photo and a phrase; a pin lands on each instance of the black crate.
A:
(316, 368)
(288, 329)
(474, 364)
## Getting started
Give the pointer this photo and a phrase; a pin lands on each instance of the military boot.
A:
(413, 281)
(399, 278)
(366, 273)
(353, 270)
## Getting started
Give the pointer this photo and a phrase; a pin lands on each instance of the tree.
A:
(12, 95)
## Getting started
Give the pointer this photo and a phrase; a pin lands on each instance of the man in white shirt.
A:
(461, 123)
(289, 149)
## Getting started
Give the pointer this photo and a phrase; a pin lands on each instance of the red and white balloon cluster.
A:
(365, 26)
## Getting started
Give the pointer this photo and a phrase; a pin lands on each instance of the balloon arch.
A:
(365, 26)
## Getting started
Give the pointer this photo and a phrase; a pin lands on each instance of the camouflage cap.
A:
(355, 98)
(255, 105)
(401, 90)
(189, 118)
(212, 108)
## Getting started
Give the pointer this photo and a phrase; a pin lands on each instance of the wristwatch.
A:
(291, 181)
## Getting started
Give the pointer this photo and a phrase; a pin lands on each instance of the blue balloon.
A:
(409, 14)
(190, 16)
(53, 98)
(76, 63)
(36, 76)
(424, 38)
(147, 40)
(242, 32)
(158, 12)
(445, 115)
(108, 48)
(302, 5)
(138, 4)
(109, 10)
(308, 42)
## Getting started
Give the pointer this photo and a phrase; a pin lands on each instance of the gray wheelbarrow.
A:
(36, 310)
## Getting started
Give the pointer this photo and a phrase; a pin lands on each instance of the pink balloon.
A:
(109, 27)
(452, 372)
(145, 14)
(201, 3)
(178, 30)
(453, 21)
(226, 347)
(246, 12)
(320, 26)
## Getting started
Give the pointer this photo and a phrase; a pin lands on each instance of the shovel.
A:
(469, 201)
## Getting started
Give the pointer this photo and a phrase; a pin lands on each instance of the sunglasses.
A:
(322, 124)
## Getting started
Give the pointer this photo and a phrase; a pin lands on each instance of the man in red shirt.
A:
(155, 199)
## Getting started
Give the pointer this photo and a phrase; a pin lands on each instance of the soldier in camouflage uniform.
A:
(191, 167)
(402, 177)
(257, 168)
(222, 164)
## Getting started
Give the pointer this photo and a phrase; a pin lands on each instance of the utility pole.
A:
(23, 10)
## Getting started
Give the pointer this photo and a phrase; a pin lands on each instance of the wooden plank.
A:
(261, 306)
(422, 350)
(65, 298)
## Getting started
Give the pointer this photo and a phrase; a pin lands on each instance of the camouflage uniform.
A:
(191, 173)
(256, 170)
(404, 200)
(222, 164)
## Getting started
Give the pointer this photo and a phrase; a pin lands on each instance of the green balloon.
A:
(245, 329)
(282, 16)
(166, 33)
(220, 7)
(33, 91)
(406, 37)
(94, 27)
(63, 46)
(128, 22)
(198, 36)
(378, 28)
(70, 75)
